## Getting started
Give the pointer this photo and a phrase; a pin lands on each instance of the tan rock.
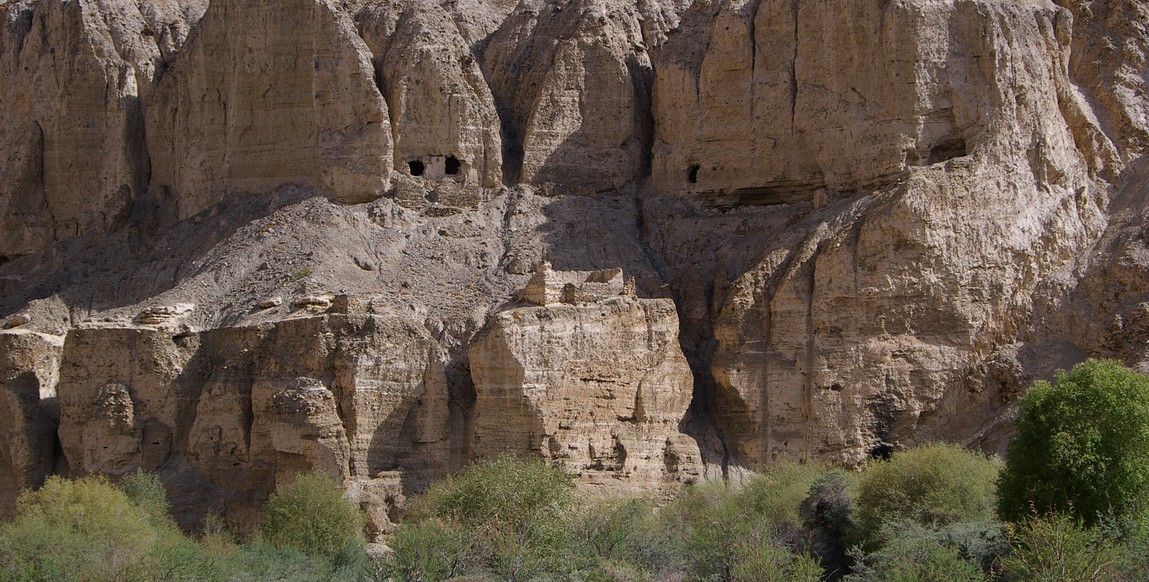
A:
(71, 119)
(29, 413)
(164, 313)
(314, 302)
(446, 124)
(600, 387)
(266, 95)
(15, 321)
(851, 325)
(575, 80)
(228, 413)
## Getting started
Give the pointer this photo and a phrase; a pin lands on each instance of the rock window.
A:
(417, 167)
(451, 166)
(692, 174)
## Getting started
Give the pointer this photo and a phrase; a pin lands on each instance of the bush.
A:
(627, 539)
(915, 558)
(502, 492)
(1081, 447)
(85, 529)
(758, 562)
(506, 517)
(146, 491)
(310, 515)
(431, 550)
(1058, 548)
(932, 485)
(715, 521)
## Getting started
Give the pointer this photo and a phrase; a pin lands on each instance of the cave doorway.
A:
(452, 166)
(692, 174)
(417, 167)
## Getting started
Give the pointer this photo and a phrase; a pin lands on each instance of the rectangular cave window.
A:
(692, 174)
(417, 167)
(452, 165)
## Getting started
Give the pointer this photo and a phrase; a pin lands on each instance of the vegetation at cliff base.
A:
(1072, 511)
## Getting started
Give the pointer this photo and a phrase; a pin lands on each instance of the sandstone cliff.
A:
(240, 242)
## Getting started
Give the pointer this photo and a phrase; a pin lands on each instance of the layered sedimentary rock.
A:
(573, 80)
(600, 386)
(239, 112)
(845, 331)
(230, 412)
(73, 159)
(29, 366)
(868, 224)
(441, 107)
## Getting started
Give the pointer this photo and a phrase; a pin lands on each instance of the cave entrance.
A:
(417, 167)
(692, 174)
(451, 166)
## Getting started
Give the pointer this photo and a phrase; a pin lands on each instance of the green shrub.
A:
(506, 517)
(431, 550)
(1081, 447)
(775, 498)
(628, 539)
(310, 515)
(146, 491)
(85, 529)
(933, 485)
(764, 562)
(1058, 548)
(502, 492)
(915, 558)
(715, 520)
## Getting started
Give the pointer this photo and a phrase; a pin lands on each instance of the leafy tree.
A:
(310, 515)
(1082, 446)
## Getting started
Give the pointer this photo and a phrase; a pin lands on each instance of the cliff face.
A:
(239, 243)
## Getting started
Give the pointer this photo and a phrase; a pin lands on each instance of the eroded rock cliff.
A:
(241, 242)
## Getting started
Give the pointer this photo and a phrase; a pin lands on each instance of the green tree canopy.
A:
(1082, 446)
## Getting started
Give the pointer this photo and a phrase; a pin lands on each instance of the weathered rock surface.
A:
(239, 112)
(441, 107)
(236, 410)
(73, 159)
(867, 224)
(601, 387)
(844, 331)
(573, 78)
(29, 368)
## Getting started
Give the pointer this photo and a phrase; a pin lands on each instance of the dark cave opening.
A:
(452, 166)
(416, 167)
(692, 174)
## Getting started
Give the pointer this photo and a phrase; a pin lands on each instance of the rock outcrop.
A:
(851, 227)
(573, 80)
(74, 158)
(232, 411)
(239, 112)
(842, 332)
(29, 413)
(600, 386)
(443, 115)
